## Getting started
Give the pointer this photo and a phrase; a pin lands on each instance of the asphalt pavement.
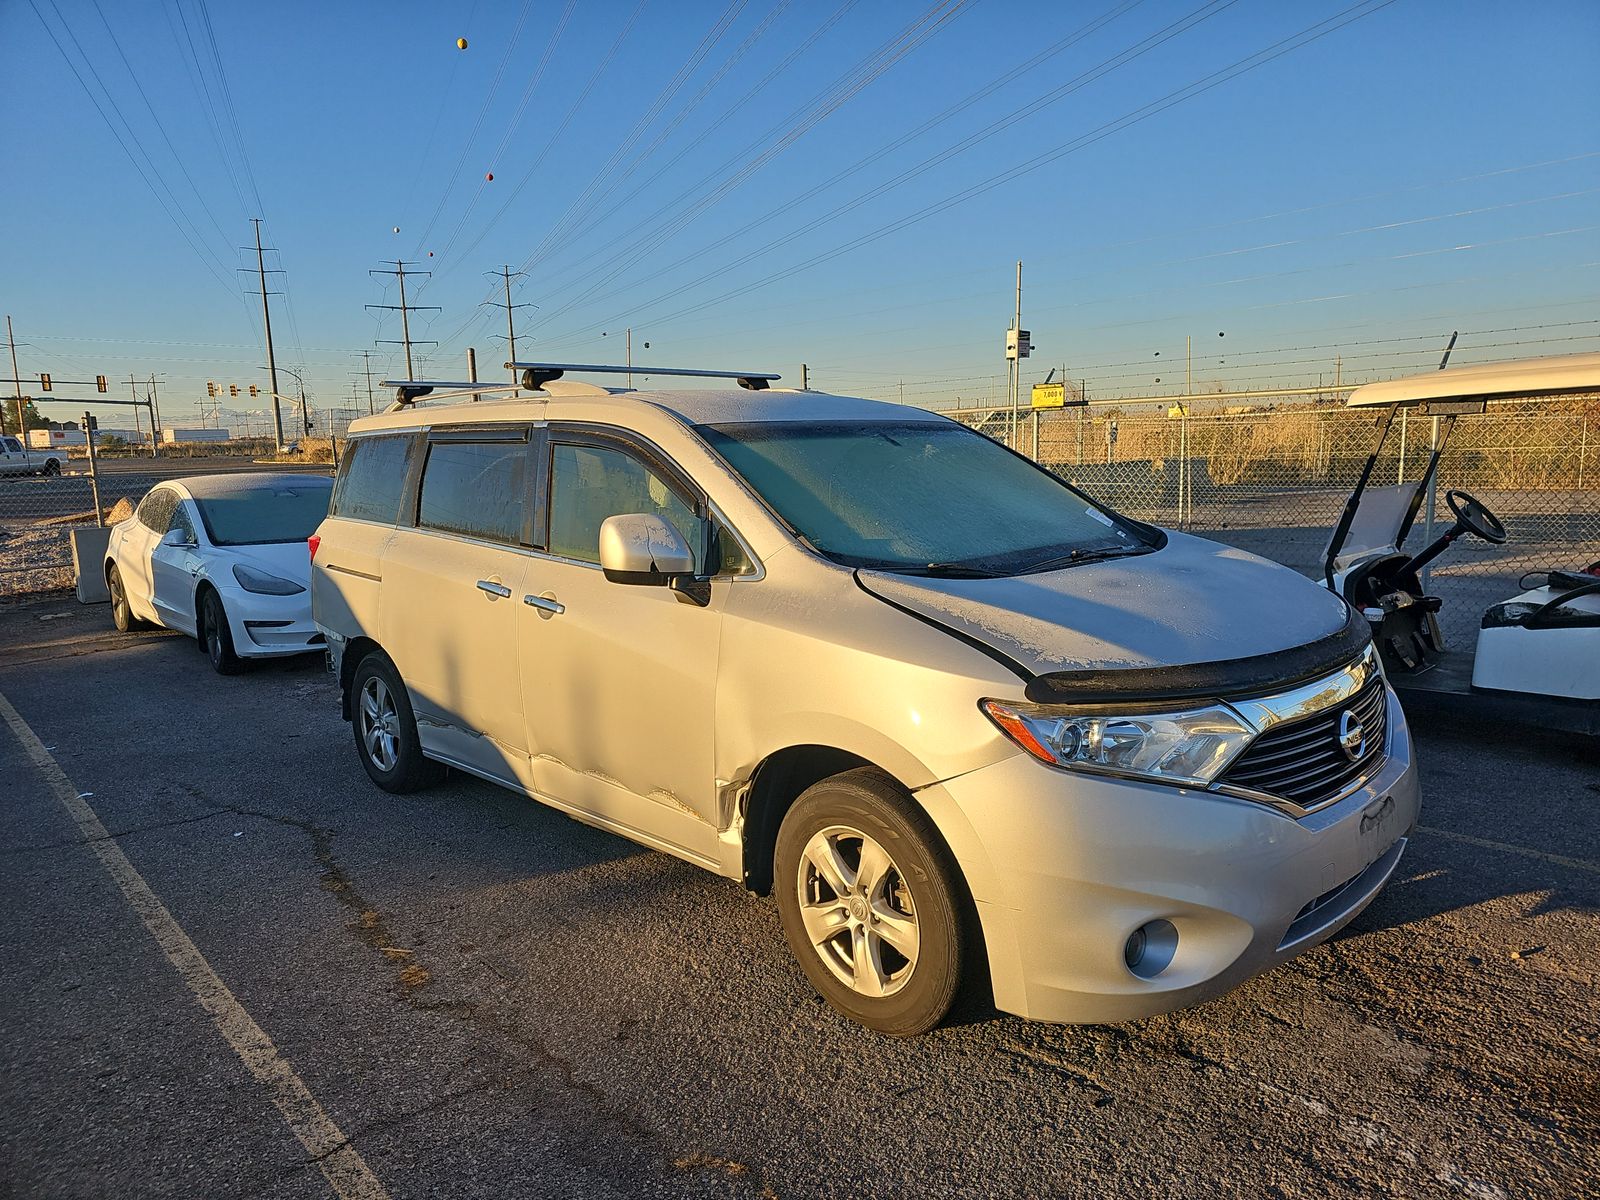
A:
(485, 998)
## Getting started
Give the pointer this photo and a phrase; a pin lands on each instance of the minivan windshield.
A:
(277, 512)
(927, 498)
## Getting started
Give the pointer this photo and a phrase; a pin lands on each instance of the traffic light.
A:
(211, 388)
(99, 383)
(233, 389)
(44, 383)
(253, 391)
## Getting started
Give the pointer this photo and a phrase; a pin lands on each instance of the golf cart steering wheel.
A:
(1472, 516)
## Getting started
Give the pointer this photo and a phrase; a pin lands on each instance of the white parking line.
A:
(341, 1164)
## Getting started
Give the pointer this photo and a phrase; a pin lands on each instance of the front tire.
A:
(216, 636)
(872, 905)
(386, 729)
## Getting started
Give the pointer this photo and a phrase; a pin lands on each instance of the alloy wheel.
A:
(857, 911)
(380, 724)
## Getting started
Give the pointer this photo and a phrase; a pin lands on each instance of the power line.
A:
(1106, 66)
(212, 263)
(1206, 83)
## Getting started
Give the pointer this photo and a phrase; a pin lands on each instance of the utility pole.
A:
(133, 390)
(805, 378)
(1017, 349)
(155, 406)
(405, 310)
(366, 368)
(507, 275)
(629, 340)
(16, 380)
(266, 320)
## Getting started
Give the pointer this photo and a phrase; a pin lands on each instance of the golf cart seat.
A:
(1546, 640)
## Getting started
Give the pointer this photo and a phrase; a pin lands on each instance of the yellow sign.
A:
(1049, 395)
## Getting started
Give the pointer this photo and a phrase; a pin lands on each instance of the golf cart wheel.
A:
(871, 903)
(216, 636)
(386, 729)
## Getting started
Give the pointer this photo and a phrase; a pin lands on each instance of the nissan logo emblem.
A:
(1352, 738)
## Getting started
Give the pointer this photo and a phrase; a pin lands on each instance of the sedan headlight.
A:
(252, 580)
(1190, 745)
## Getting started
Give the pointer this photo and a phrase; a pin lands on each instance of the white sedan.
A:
(224, 559)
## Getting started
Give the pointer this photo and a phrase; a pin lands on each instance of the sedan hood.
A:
(1190, 602)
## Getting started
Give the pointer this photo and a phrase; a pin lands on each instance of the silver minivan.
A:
(969, 726)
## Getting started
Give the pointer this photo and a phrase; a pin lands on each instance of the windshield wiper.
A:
(940, 570)
(1079, 557)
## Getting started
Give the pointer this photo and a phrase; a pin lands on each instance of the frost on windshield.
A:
(912, 495)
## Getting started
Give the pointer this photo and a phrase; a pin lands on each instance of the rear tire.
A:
(216, 636)
(872, 904)
(386, 729)
(121, 612)
(51, 468)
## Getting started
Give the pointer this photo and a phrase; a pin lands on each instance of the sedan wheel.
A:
(121, 615)
(216, 635)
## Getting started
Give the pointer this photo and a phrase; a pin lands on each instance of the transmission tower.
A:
(405, 310)
(507, 274)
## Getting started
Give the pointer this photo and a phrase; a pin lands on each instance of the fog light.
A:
(1150, 948)
(1133, 952)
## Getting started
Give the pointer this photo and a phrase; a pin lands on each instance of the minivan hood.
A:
(1192, 601)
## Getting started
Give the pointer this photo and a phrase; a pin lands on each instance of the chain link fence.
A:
(1274, 481)
(37, 515)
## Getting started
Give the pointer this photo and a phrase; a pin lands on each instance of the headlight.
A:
(252, 580)
(1182, 746)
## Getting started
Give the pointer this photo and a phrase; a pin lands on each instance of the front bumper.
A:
(270, 626)
(1076, 863)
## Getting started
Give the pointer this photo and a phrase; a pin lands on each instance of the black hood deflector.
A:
(1207, 680)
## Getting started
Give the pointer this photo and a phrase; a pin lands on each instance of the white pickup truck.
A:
(16, 459)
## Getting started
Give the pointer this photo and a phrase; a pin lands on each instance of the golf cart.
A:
(1538, 653)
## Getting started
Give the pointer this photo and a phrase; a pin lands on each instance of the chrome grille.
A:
(1303, 762)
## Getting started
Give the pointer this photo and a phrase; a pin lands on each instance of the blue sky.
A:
(1423, 168)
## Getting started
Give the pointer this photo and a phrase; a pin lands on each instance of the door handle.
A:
(494, 589)
(546, 605)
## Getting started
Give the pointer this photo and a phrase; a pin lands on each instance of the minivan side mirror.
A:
(641, 548)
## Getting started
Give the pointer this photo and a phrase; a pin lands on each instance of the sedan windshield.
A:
(281, 511)
(930, 498)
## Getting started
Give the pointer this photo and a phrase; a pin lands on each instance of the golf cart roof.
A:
(1556, 375)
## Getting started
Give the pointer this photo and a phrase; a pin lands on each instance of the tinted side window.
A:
(13, 445)
(475, 488)
(372, 477)
(590, 483)
(180, 520)
(155, 510)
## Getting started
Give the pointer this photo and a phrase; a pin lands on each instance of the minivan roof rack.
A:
(537, 374)
(408, 391)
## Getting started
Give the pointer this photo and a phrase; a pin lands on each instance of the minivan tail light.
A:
(312, 543)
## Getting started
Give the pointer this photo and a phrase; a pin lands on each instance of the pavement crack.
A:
(111, 835)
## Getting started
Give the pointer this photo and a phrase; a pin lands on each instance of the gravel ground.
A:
(490, 999)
